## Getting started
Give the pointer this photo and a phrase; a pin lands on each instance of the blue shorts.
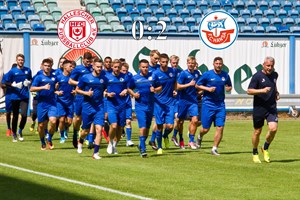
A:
(176, 106)
(216, 115)
(164, 114)
(65, 110)
(78, 105)
(116, 116)
(8, 104)
(105, 104)
(129, 112)
(92, 115)
(45, 111)
(184, 109)
(144, 117)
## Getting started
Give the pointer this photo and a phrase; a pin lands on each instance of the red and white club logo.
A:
(218, 30)
(77, 29)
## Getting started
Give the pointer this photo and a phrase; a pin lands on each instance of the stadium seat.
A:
(288, 22)
(128, 28)
(38, 27)
(96, 12)
(90, 4)
(293, 13)
(20, 19)
(258, 29)
(51, 3)
(274, 5)
(171, 13)
(134, 12)
(108, 12)
(121, 12)
(171, 29)
(184, 13)
(139, 19)
(241, 22)
(252, 21)
(128, 4)
(190, 4)
(105, 28)
(198, 20)
(276, 22)
(202, 4)
(246, 29)
(1, 27)
(141, 4)
(160, 12)
(296, 5)
(51, 27)
(281, 14)
(10, 3)
(113, 20)
(183, 29)
(295, 29)
(10, 27)
(56, 18)
(239, 5)
(263, 5)
(177, 21)
(24, 27)
(115, 4)
(227, 5)
(3, 10)
(167, 20)
(283, 29)
(152, 21)
(271, 29)
(297, 21)
(178, 4)
(234, 12)
(196, 13)
(165, 4)
(245, 13)
(55, 11)
(215, 5)
(37, 3)
(33, 19)
(6, 18)
(15, 10)
(126, 20)
(156, 29)
(103, 4)
(250, 5)
(194, 29)
(190, 21)
(264, 22)
(24, 3)
(100, 20)
(269, 14)
(206, 11)
(2, 3)
(153, 4)
(42, 11)
(286, 5)
(257, 13)
(118, 28)
(47, 19)
(146, 12)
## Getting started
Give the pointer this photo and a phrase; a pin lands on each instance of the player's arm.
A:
(136, 95)
(39, 88)
(86, 93)
(252, 91)
(73, 82)
(183, 86)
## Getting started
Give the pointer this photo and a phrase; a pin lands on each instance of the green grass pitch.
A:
(177, 174)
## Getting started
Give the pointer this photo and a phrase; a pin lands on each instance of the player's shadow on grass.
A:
(236, 152)
(13, 188)
(286, 160)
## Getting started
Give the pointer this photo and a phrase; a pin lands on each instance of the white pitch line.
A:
(76, 182)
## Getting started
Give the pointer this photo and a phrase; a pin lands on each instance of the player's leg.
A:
(99, 123)
(61, 115)
(193, 113)
(42, 123)
(206, 122)
(24, 109)
(219, 123)
(77, 119)
(143, 121)
(169, 121)
(182, 113)
(33, 114)
(160, 120)
(176, 121)
(112, 117)
(16, 107)
(88, 116)
(8, 109)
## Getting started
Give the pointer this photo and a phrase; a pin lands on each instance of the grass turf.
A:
(177, 174)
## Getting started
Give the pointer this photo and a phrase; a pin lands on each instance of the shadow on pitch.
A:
(236, 152)
(286, 161)
(12, 188)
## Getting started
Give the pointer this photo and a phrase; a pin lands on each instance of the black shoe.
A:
(153, 145)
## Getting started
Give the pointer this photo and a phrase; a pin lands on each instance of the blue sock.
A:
(20, 132)
(180, 137)
(266, 145)
(192, 138)
(50, 138)
(175, 132)
(153, 136)
(96, 148)
(46, 131)
(90, 137)
(159, 139)
(166, 133)
(128, 133)
(62, 134)
(143, 143)
(43, 141)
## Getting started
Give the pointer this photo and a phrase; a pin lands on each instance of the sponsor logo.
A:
(263, 80)
(218, 30)
(34, 42)
(170, 74)
(272, 44)
(150, 78)
(121, 79)
(223, 78)
(101, 81)
(77, 29)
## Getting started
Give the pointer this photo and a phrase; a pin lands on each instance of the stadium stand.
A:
(295, 29)
(171, 29)
(258, 29)
(38, 27)
(246, 29)
(271, 29)
(183, 29)
(146, 12)
(184, 13)
(25, 27)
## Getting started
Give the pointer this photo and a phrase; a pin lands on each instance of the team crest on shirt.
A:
(223, 78)
(53, 79)
(196, 75)
(263, 80)
(26, 72)
(170, 74)
(150, 78)
(275, 80)
(101, 81)
(121, 79)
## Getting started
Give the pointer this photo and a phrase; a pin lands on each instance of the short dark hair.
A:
(164, 55)
(14, 65)
(47, 60)
(218, 58)
(107, 57)
(143, 61)
(98, 60)
(66, 62)
(87, 55)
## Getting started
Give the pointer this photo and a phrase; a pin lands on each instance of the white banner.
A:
(297, 71)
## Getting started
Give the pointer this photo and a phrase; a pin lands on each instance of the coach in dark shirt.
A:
(263, 87)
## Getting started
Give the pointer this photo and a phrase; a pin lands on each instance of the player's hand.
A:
(26, 83)
(228, 88)
(192, 83)
(212, 89)
(136, 95)
(152, 89)
(90, 92)
(267, 89)
(73, 92)
(59, 93)
(47, 86)
(277, 96)
(174, 93)
(111, 94)
(123, 93)
(17, 85)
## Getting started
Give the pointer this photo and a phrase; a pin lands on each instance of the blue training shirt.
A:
(8, 88)
(63, 85)
(78, 72)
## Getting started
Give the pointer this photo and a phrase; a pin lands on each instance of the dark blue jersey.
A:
(59, 71)
(47, 96)
(78, 72)
(8, 88)
(63, 85)
(211, 79)
(261, 80)
(153, 68)
(19, 75)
